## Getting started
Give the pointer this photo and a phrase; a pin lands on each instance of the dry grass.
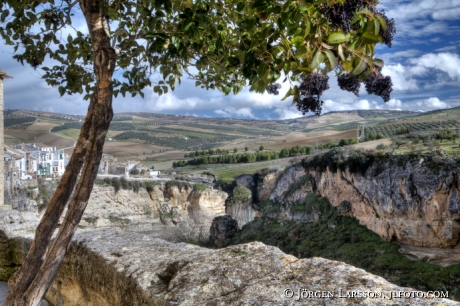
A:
(333, 119)
(371, 145)
(129, 147)
(308, 139)
(38, 133)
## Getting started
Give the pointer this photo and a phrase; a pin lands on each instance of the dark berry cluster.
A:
(379, 85)
(390, 31)
(341, 15)
(273, 88)
(310, 91)
(349, 83)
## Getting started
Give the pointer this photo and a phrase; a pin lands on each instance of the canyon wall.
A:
(413, 202)
(164, 209)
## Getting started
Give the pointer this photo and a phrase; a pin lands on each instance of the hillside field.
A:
(159, 140)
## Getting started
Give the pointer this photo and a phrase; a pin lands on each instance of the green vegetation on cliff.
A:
(342, 238)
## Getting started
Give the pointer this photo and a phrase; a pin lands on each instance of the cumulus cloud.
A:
(431, 104)
(446, 62)
(287, 113)
(440, 69)
(244, 112)
(401, 76)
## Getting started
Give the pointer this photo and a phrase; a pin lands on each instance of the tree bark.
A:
(32, 280)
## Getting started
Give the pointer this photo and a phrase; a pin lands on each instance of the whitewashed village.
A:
(25, 164)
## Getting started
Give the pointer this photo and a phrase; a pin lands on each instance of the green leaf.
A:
(240, 6)
(331, 57)
(317, 59)
(298, 41)
(145, 11)
(359, 68)
(307, 29)
(337, 38)
(5, 14)
(364, 75)
(61, 90)
(382, 21)
(378, 62)
(301, 51)
(262, 70)
(175, 41)
(340, 50)
(376, 26)
(259, 4)
(226, 90)
(289, 93)
(372, 37)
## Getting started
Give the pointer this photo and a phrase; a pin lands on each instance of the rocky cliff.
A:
(115, 267)
(409, 201)
(164, 208)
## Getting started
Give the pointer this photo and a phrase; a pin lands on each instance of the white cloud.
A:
(287, 113)
(392, 57)
(446, 49)
(431, 104)
(401, 76)
(448, 14)
(394, 104)
(244, 112)
(441, 68)
(446, 62)
(415, 19)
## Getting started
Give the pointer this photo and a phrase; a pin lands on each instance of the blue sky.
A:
(424, 64)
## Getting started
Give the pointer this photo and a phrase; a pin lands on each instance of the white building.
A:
(154, 173)
(50, 162)
(15, 163)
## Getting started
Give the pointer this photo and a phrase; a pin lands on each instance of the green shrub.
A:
(200, 187)
(116, 184)
(124, 183)
(382, 147)
(240, 193)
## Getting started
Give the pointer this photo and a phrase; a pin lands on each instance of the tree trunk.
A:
(32, 280)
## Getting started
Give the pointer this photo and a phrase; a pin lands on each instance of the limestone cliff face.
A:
(111, 267)
(166, 205)
(410, 203)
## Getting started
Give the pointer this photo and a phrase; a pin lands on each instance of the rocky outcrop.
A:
(115, 267)
(408, 202)
(16, 230)
(165, 207)
(239, 206)
(222, 228)
(265, 184)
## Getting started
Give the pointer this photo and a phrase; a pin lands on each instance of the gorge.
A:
(411, 202)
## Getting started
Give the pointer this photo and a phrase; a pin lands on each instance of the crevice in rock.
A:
(171, 270)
